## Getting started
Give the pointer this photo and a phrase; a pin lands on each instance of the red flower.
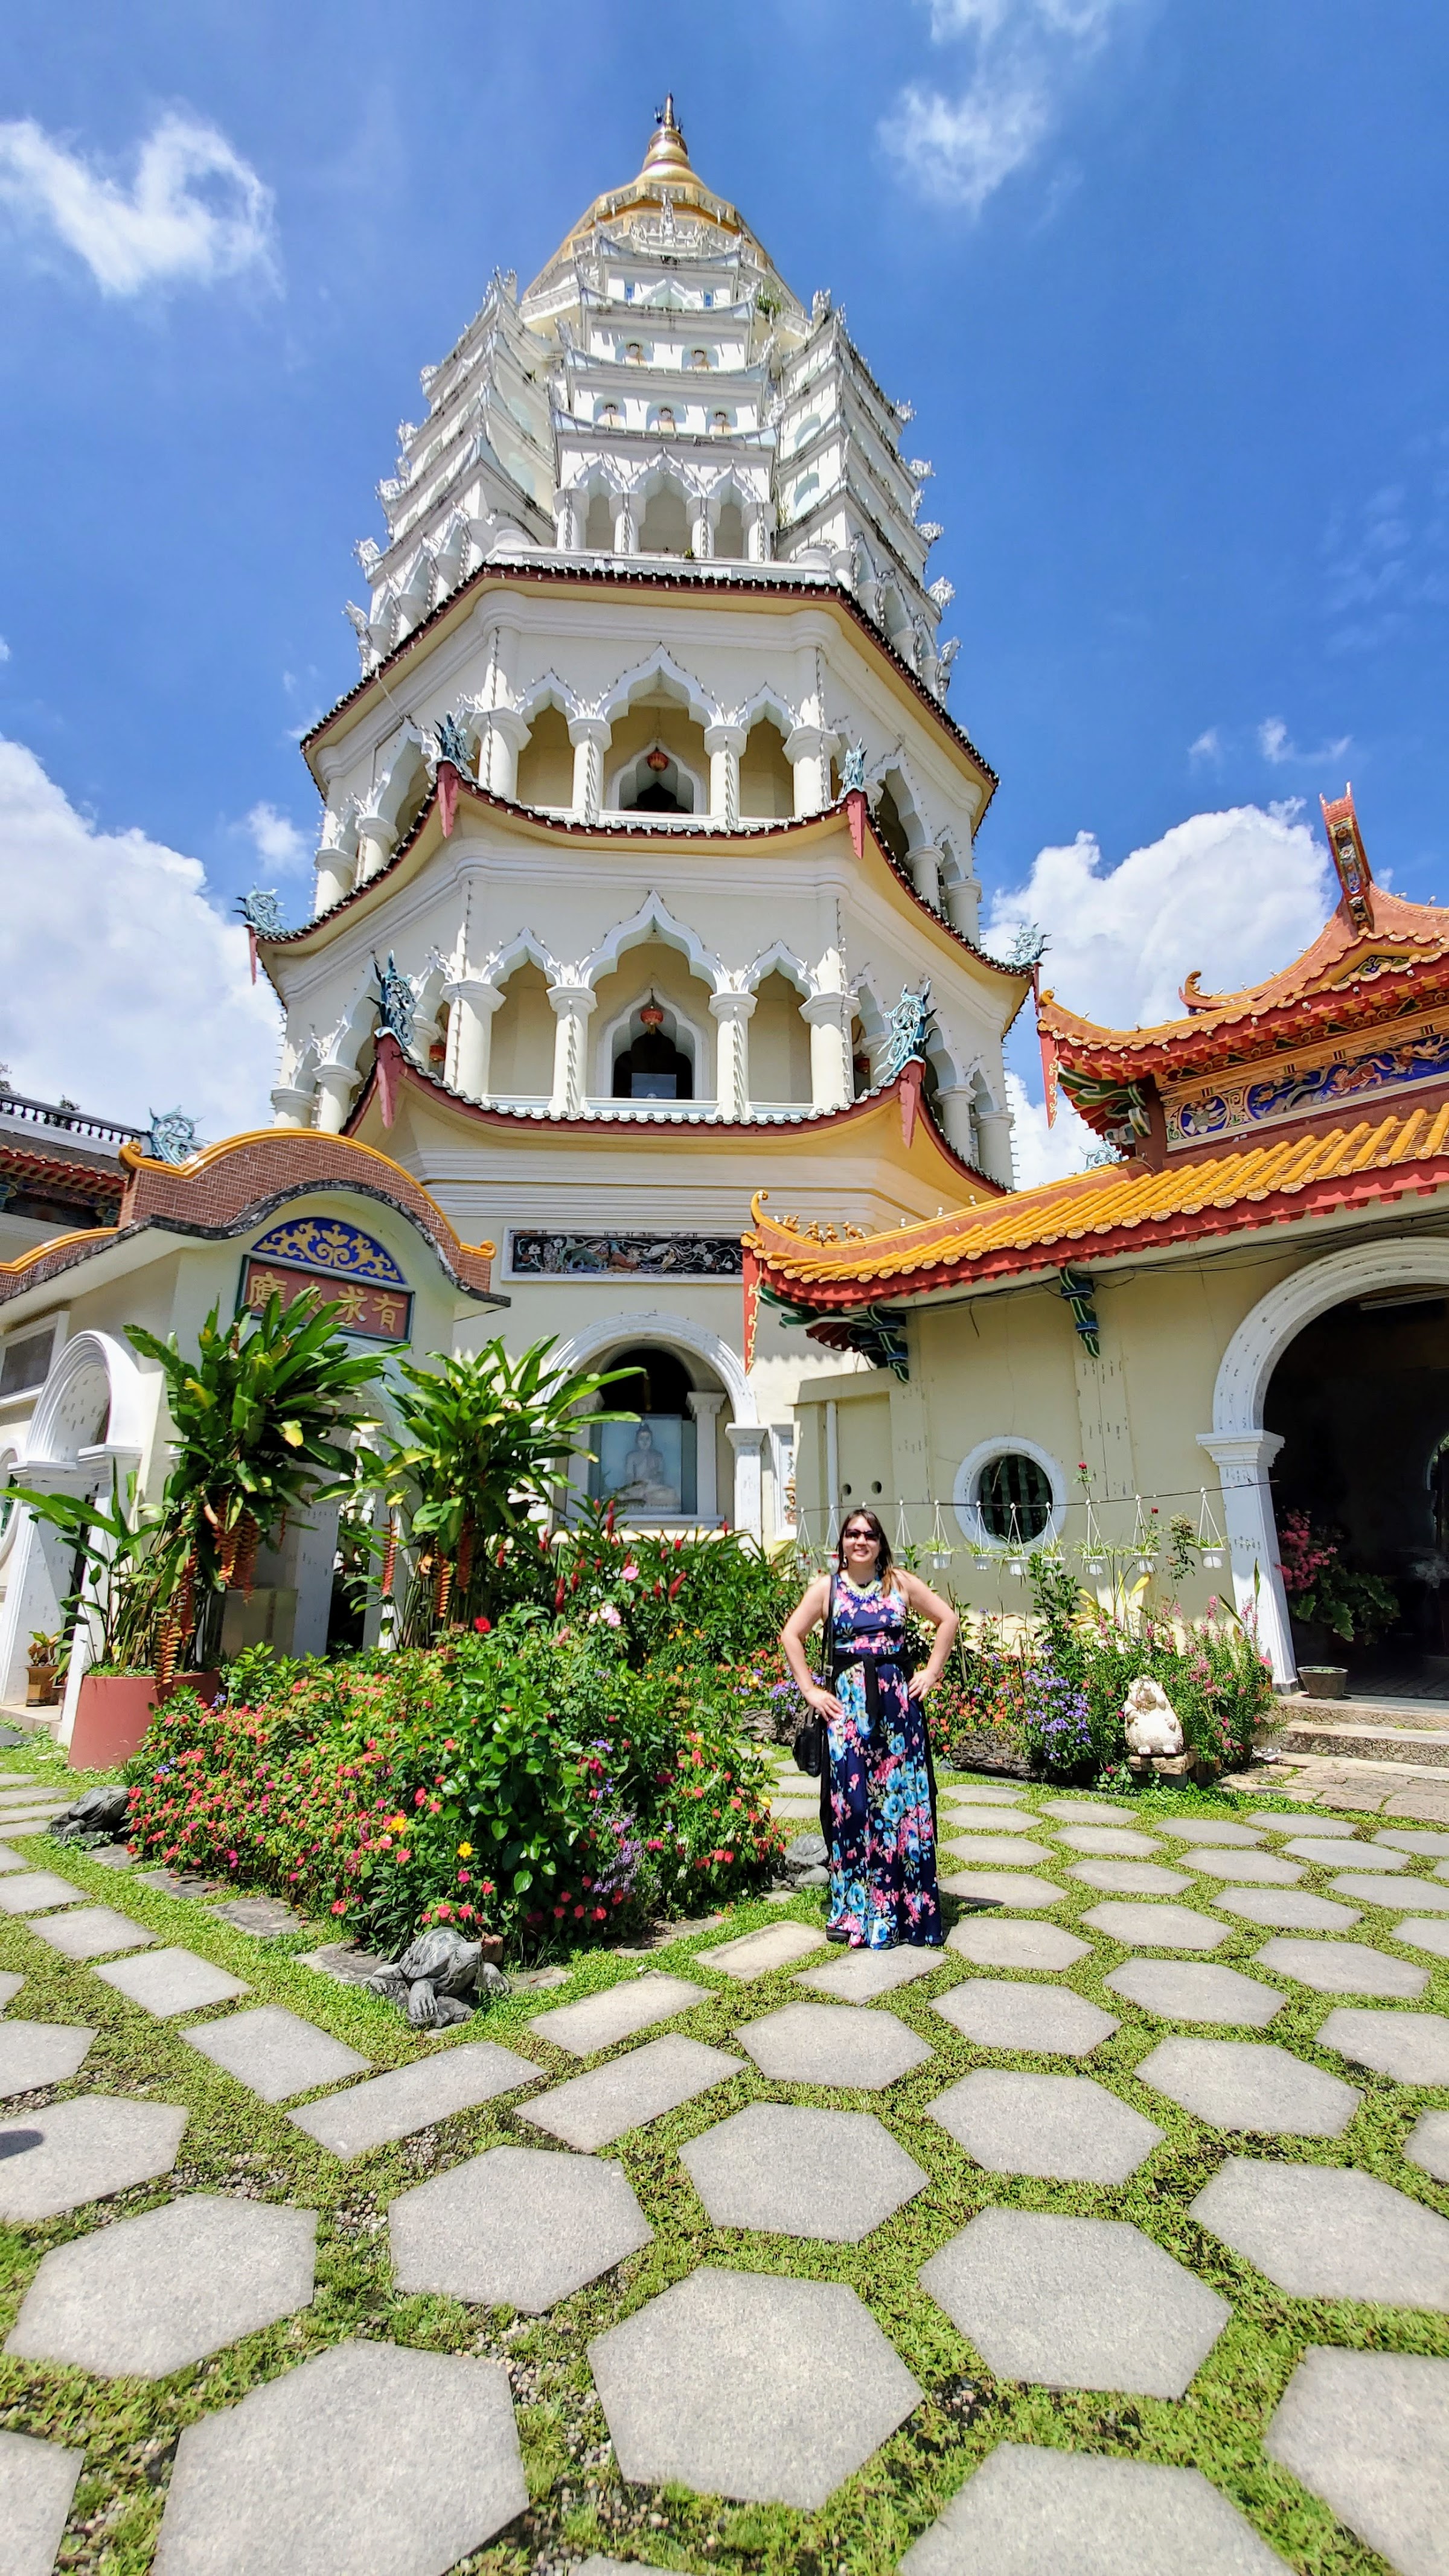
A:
(483, 1626)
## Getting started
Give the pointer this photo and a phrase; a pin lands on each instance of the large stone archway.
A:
(1244, 1450)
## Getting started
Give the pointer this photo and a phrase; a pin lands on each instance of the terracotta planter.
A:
(39, 1685)
(113, 1711)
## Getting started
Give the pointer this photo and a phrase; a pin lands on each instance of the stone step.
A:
(1419, 1747)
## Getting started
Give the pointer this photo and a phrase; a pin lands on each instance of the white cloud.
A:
(276, 839)
(1278, 747)
(124, 989)
(1236, 894)
(1208, 746)
(196, 209)
(4, 650)
(1043, 1153)
(958, 148)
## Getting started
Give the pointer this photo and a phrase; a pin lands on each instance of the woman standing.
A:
(881, 1826)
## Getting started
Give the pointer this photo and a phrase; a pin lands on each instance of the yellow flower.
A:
(397, 1824)
(465, 1851)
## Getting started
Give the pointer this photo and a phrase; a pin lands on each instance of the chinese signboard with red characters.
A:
(327, 1259)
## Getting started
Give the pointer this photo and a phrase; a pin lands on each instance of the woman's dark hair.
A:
(883, 1561)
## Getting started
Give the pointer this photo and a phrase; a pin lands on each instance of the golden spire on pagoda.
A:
(668, 154)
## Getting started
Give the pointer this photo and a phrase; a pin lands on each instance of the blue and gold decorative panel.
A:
(336, 1250)
(1267, 1093)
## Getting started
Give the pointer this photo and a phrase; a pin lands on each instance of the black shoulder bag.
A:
(812, 1739)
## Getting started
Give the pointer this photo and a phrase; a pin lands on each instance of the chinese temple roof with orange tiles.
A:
(1118, 1208)
(1376, 958)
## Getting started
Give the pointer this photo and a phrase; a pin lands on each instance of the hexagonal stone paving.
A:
(602, 2020)
(1413, 2047)
(1427, 2144)
(1369, 2433)
(858, 2052)
(794, 2171)
(11, 1860)
(1250, 2084)
(1042, 1947)
(1157, 1927)
(150, 2294)
(37, 2482)
(592, 2110)
(1128, 1878)
(985, 1793)
(35, 2053)
(91, 1932)
(862, 1975)
(1331, 1854)
(9, 1988)
(1286, 1909)
(172, 1981)
(756, 1953)
(1431, 1938)
(1420, 1895)
(1322, 2232)
(274, 2052)
(37, 1887)
(1249, 1868)
(367, 2457)
(1065, 2127)
(1075, 2303)
(1306, 1820)
(1085, 1811)
(1343, 1968)
(1004, 1887)
(1195, 1990)
(987, 1848)
(55, 2160)
(1026, 2511)
(1049, 2020)
(520, 2227)
(412, 2097)
(739, 2384)
(1110, 1841)
(1213, 1829)
(1414, 1842)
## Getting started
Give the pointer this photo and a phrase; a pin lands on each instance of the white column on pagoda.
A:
(808, 748)
(292, 1104)
(376, 841)
(706, 1407)
(334, 875)
(724, 743)
(829, 1015)
(336, 1086)
(626, 522)
(701, 530)
(590, 738)
(1243, 1460)
(757, 533)
(993, 1130)
(963, 907)
(572, 1004)
(953, 1106)
(471, 1005)
(503, 734)
(733, 1013)
(747, 1439)
(566, 520)
(926, 874)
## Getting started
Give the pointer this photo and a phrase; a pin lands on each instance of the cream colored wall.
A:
(767, 781)
(546, 762)
(521, 1064)
(779, 1043)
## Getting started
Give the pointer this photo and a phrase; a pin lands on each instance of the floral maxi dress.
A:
(881, 1830)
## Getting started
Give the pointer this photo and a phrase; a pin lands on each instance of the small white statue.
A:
(1152, 1723)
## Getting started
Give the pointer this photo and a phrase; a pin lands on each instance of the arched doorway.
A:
(698, 1384)
(1246, 1443)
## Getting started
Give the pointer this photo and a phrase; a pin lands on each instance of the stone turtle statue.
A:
(439, 1979)
(98, 1815)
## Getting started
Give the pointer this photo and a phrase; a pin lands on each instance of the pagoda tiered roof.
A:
(1377, 958)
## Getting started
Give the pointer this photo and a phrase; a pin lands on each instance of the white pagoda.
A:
(645, 876)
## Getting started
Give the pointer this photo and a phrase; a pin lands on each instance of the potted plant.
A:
(114, 1613)
(1328, 1598)
(40, 1669)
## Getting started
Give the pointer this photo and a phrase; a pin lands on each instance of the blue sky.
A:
(1165, 284)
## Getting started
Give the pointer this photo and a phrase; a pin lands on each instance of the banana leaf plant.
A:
(484, 1439)
(262, 1419)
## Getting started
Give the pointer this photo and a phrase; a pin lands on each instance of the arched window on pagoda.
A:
(652, 1066)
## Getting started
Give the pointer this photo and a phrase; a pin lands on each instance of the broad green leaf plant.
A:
(485, 1437)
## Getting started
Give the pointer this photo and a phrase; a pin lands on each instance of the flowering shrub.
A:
(1323, 1590)
(525, 1778)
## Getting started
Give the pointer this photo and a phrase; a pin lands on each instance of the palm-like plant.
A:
(128, 1571)
(261, 1419)
(484, 1438)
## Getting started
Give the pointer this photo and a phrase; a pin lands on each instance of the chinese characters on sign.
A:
(373, 1314)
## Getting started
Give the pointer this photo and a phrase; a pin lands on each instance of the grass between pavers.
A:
(237, 2144)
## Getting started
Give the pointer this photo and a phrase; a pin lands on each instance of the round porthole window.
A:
(1014, 1497)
